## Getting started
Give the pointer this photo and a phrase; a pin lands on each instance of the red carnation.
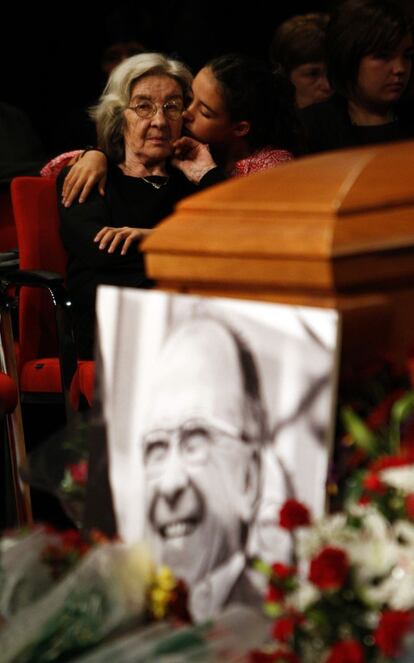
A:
(329, 569)
(293, 514)
(409, 505)
(373, 483)
(392, 627)
(386, 462)
(274, 594)
(283, 571)
(347, 651)
(284, 627)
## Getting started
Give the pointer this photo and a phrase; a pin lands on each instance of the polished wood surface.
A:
(333, 230)
(311, 206)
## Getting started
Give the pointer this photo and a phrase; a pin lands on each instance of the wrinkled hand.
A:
(88, 171)
(111, 238)
(192, 158)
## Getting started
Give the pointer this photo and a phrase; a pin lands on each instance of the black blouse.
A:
(128, 201)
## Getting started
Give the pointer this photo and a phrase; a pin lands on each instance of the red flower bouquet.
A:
(350, 597)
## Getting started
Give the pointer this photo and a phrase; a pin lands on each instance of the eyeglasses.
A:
(146, 109)
(193, 439)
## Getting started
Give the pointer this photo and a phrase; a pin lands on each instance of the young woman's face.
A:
(207, 118)
(383, 77)
(311, 83)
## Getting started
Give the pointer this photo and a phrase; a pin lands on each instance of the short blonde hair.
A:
(108, 114)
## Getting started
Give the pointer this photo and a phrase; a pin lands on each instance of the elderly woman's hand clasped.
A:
(111, 238)
(192, 158)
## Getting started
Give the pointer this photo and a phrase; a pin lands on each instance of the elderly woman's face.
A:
(150, 138)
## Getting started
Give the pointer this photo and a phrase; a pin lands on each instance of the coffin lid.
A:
(322, 197)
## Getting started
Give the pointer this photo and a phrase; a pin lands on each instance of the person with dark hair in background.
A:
(239, 108)
(21, 151)
(298, 49)
(369, 50)
(117, 52)
(74, 126)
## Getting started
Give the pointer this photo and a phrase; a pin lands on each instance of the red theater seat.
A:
(46, 352)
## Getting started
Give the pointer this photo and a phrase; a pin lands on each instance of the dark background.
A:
(50, 57)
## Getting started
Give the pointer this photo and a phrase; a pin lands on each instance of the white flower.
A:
(303, 596)
(331, 530)
(372, 558)
(397, 590)
(375, 525)
(374, 550)
(401, 478)
(405, 531)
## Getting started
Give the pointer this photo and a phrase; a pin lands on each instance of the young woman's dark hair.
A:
(252, 92)
(358, 28)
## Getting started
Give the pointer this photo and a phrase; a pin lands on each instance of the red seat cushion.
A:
(41, 375)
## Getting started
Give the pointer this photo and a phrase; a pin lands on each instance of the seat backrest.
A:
(40, 247)
(8, 239)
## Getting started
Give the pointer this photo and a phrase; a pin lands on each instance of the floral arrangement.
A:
(62, 599)
(368, 426)
(348, 596)
(60, 594)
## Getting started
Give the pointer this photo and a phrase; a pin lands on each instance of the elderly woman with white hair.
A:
(138, 119)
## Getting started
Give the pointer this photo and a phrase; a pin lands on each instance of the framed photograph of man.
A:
(216, 410)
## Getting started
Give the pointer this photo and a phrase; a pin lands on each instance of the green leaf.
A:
(402, 408)
(362, 435)
(399, 412)
(273, 610)
(262, 567)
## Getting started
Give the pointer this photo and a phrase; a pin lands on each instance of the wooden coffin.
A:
(333, 230)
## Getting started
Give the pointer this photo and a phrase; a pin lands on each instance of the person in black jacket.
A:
(21, 150)
(369, 47)
(138, 118)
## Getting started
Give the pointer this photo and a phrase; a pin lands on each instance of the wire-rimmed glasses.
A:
(146, 109)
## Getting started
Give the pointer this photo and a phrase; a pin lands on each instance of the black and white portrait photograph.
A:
(216, 411)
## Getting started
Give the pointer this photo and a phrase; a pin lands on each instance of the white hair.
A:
(108, 113)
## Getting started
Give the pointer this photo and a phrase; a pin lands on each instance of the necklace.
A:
(157, 181)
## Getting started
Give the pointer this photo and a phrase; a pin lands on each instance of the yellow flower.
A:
(162, 592)
(165, 578)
